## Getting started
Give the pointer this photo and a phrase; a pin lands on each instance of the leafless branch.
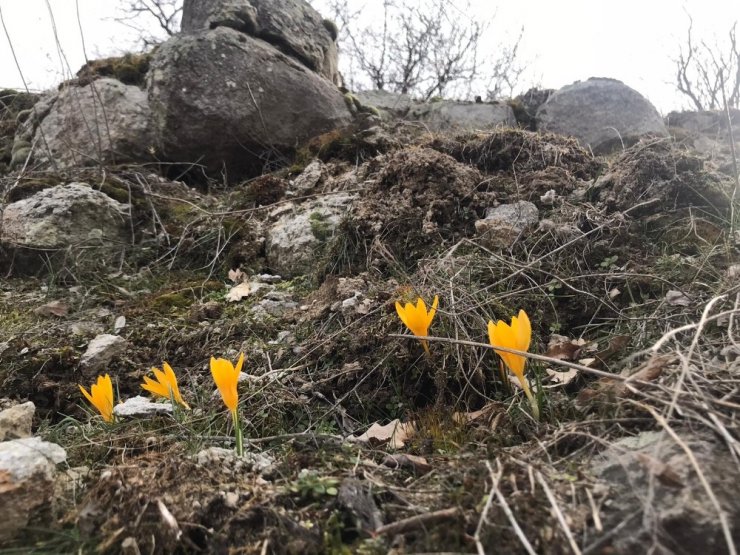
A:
(705, 72)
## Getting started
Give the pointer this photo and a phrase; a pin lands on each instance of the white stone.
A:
(141, 406)
(15, 422)
(101, 350)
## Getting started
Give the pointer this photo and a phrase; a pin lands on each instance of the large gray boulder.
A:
(602, 114)
(63, 216)
(102, 122)
(230, 101)
(448, 115)
(292, 26)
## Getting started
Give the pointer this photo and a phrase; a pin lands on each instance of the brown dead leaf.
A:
(650, 370)
(605, 389)
(663, 472)
(395, 434)
(562, 378)
(54, 308)
(617, 344)
(564, 348)
(488, 416)
(401, 460)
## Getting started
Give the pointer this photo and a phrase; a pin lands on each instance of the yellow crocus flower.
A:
(417, 319)
(518, 336)
(101, 396)
(165, 385)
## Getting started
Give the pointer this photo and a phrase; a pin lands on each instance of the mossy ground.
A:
(328, 369)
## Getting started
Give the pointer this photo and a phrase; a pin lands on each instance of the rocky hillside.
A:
(221, 196)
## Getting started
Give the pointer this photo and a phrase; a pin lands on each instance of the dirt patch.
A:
(418, 199)
(520, 151)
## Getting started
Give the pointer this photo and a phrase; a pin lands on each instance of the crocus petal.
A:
(523, 331)
(239, 364)
(87, 395)
(402, 314)
(433, 311)
(224, 375)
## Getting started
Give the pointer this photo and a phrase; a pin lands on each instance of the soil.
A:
(617, 238)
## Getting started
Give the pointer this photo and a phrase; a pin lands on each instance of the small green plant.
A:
(310, 485)
(609, 263)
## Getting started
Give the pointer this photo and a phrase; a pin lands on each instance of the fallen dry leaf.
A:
(564, 348)
(395, 434)
(650, 370)
(401, 460)
(241, 290)
(236, 276)
(54, 308)
(605, 389)
(562, 378)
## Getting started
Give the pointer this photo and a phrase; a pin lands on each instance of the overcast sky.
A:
(564, 41)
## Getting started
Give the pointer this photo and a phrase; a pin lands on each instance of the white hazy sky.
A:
(564, 41)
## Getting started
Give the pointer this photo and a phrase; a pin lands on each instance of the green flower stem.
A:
(238, 434)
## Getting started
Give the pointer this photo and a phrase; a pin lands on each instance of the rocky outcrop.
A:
(243, 101)
(298, 232)
(390, 104)
(55, 218)
(291, 26)
(441, 116)
(102, 122)
(448, 115)
(679, 515)
(506, 223)
(603, 114)
(15, 106)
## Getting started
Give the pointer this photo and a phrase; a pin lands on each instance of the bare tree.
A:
(425, 48)
(154, 20)
(709, 75)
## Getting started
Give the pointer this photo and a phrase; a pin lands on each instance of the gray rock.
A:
(27, 472)
(102, 122)
(231, 463)
(61, 216)
(525, 106)
(229, 101)
(276, 304)
(141, 406)
(448, 115)
(392, 104)
(292, 26)
(16, 421)
(711, 122)
(601, 113)
(655, 496)
(504, 224)
(299, 231)
(101, 350)
(310, 177)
